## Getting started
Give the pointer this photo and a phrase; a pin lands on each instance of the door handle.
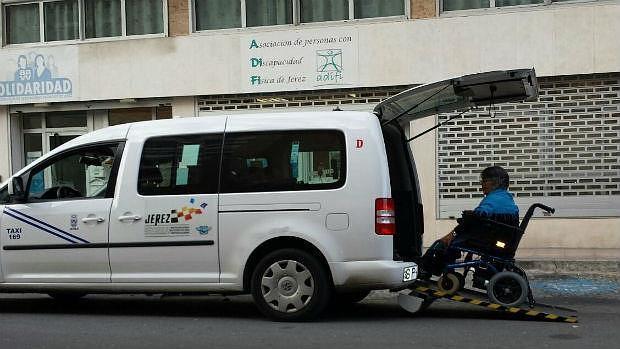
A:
(133, 217)
(93, 219)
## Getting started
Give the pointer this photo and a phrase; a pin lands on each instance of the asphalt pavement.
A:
(139, 321)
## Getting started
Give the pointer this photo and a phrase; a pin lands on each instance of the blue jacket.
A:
(497, 202)
(497, 205)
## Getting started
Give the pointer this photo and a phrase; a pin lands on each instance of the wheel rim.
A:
(446, 283)
(287, 286)
(449, 283)
(507, 290)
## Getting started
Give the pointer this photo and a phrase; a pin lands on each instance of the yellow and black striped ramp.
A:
(427, 292)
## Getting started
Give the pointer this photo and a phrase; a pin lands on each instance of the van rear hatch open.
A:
(460, 94)
(453, 95)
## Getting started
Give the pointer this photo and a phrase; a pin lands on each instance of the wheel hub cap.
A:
(287, 286)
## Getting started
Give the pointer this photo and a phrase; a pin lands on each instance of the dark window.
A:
(22, 25)
(323, 10)
(177, 165)
(82, 173)
(378, 8)
(283, 161)
(268, 12)
(217, 14)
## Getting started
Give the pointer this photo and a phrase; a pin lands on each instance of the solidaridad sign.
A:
(308, 59)
(36, 76)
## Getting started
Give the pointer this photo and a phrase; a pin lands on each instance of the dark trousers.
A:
(438, 256)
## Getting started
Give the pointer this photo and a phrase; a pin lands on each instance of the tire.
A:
(508, 289)
(67, 296)
(349, 297)
(290, 285)
(450, 282)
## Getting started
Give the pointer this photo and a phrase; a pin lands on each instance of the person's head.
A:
(39, 61)
(492, 178)
(22, 62)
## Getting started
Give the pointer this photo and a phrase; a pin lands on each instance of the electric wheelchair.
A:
(488, 247)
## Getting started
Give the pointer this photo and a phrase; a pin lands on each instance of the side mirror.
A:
(16, 189)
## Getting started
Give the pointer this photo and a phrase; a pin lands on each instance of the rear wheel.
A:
(290, 285)
(508, 289)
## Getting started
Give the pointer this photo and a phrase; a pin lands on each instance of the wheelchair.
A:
(489, 247)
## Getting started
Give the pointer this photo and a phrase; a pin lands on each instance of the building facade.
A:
(68, 67)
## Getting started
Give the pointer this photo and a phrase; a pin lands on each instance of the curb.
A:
(604, 269)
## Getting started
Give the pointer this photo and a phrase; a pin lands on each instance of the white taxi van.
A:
(294, 208)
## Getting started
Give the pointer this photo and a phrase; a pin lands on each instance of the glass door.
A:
(44, 132)
(54, 140)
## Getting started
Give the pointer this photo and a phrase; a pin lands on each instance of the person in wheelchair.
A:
(497, 205)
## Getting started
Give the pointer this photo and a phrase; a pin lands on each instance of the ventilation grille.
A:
(297, 99)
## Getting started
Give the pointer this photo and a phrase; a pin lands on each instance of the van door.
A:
(60, 234)
(164, 226)
(460, 94)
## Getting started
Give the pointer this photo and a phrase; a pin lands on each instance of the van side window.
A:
(81, 173)
(177, 165)
(283, 161)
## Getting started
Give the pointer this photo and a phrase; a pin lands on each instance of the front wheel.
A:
(290, 285)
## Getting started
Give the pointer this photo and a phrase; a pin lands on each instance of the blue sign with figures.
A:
(35, 76)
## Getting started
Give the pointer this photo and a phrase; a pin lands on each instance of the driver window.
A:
(78, 174)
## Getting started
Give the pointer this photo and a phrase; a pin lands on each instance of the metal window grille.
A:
(563, 149)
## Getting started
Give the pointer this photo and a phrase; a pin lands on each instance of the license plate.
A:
(410, 273)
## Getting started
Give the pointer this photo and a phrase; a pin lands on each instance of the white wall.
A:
(4, 144)
(575, 39)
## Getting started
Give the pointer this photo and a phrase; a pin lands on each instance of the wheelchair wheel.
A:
(450, 282)
(508, 289)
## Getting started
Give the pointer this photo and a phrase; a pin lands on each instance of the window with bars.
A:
(224, 14)
(563, 149)
(46, 21)
(456, 5)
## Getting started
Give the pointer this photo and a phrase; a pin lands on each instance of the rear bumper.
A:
(382, 274)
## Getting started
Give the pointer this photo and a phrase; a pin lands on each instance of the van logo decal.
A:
(74, 222)
(359, 143)
(203, 229)
(42, 226)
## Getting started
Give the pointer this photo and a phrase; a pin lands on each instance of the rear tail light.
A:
(385, 218)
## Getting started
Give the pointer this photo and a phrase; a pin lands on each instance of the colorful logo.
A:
(186, 214)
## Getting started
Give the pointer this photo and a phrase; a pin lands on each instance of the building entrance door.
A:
(43, 132)
(55, 139)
